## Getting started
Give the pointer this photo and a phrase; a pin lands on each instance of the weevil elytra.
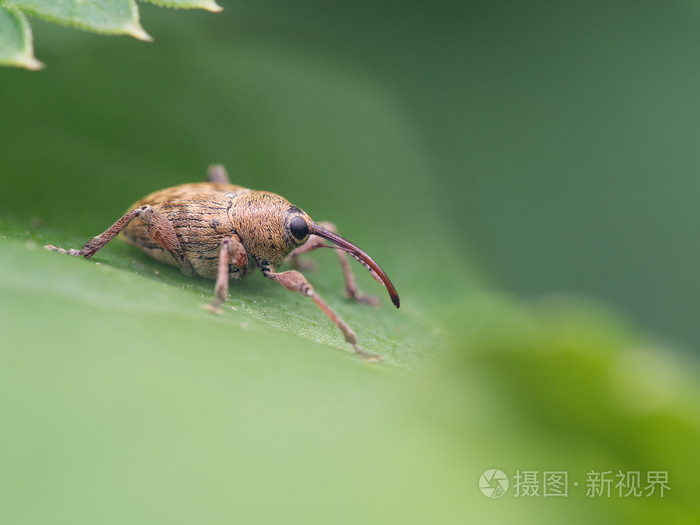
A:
(221, 231)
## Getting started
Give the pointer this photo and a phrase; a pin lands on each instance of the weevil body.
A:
(204, 214)
(221, 231)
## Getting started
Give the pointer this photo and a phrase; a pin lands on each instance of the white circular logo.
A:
(493, 483)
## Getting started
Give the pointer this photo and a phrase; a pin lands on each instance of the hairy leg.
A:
(296, 282)
(232, 253)
(159, 229)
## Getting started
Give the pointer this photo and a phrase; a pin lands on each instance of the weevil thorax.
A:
(269, 226)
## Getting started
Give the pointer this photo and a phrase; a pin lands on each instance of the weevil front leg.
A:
(232, 253)
(159, 229)
(296, 282)
(314, 242)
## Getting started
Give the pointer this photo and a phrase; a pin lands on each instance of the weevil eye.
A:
(299, 228)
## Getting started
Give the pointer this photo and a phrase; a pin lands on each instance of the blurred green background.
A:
(523, 172)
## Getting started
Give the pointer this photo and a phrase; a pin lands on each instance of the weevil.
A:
(220, 231)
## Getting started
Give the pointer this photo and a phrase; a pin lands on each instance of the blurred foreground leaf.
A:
(124, 401)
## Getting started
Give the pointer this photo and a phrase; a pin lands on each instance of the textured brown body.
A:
(203, 214)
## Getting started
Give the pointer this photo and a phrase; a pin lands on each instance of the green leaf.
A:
(16, 41)
(402, 337)
(209, 5)
(114, 17)
(121, 387)
(123, 401)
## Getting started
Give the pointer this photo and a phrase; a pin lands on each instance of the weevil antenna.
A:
(361, 256)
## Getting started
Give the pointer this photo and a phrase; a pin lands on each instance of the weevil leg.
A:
(314, 242)
(232, 253)
(296, 282)
(217, 173)
(159, 229)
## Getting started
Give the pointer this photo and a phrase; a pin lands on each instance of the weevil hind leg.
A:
(159, 229)
(217, 173)
(296, 282)
(232, 253)
(314, 242)
(92, 246)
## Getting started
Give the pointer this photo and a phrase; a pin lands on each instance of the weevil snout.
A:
(271, 227)
(361, 256)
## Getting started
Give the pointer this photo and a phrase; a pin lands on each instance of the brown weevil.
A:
(221, 231)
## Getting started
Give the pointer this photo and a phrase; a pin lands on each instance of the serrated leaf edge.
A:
(25, 59)
(132, 28)
(210, 5)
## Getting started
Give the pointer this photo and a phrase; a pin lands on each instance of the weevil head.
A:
(269, 226)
